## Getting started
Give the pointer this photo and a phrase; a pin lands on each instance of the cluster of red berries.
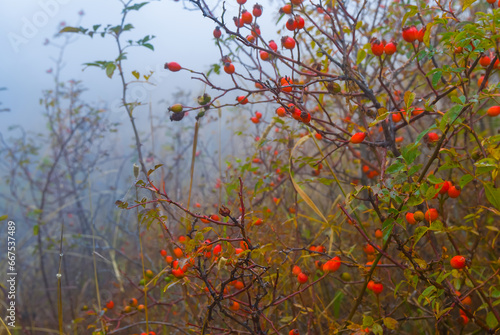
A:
(379, 47)
(412, 34)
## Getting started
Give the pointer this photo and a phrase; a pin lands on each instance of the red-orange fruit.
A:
(358, 137)
(410, 34)
(458, 262)
(431, 215)
(302, 278)
(410, 218)
(494, 111)
(454, 192)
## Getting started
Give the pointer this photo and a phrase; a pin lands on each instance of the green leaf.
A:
(367, 321)
(491, 320)
(110, 69)
(377, 329)
(465, 180)
(3, 217)
(436, 77)
(410, 152)
(390, 323)
(136, 74)
(493, 195)
(135, 7)
(395, 167)
(450, 116)
(409, 98)
(36, 228)
(410, 13)
(70, 30)
(361, 56)
(419, 232)
(434, 180)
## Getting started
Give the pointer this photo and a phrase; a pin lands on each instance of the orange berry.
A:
(377, 288)
(454, 192)
(379, 233)
(332, 265)
(229, 68)
(458, 262)
(132, 302)
(234, 306)
(296, 270)
(369, 249)
(431, 215)
(410, 218)
(358, 137)
(494, 111)
(302, 278)
(178, 252)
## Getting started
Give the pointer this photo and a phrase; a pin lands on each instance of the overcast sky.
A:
(183, 36)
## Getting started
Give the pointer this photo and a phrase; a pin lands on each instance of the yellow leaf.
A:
(299, 190)
(467, 4)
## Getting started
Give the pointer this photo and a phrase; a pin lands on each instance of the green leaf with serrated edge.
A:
(419, 232)
(395, 167)
(377, 329)
(465, 180)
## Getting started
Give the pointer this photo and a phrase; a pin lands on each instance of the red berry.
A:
(332, 265)
(431, 215)
(110, 304)
(241, 2)
(396, 117)
(264, 55)
(229, 68)
(370, 285)
(163, 253)
(217, 249)
(491, 1)
(296, 270)
(485, 61)
(293, 332)
(410, 218)
(390, 48)
(410, 34)
(285, 84)
(288, 42)
(281, 111)
(494, 111)
(255, 119)
(300, 22)
(273, 45)
(255, 30)
(238, 22)
(377, 288)
(246, 16)
(454, 191)
(377, 48)
(318, 136)
(302, 278)
(291, 24)
(217, 32)
(242, 99)
(296, 2)
(358, 137)
(173, 66)
(257, 10)
(458, 262)
(443, 187)
(433, 137)
(420, 34)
